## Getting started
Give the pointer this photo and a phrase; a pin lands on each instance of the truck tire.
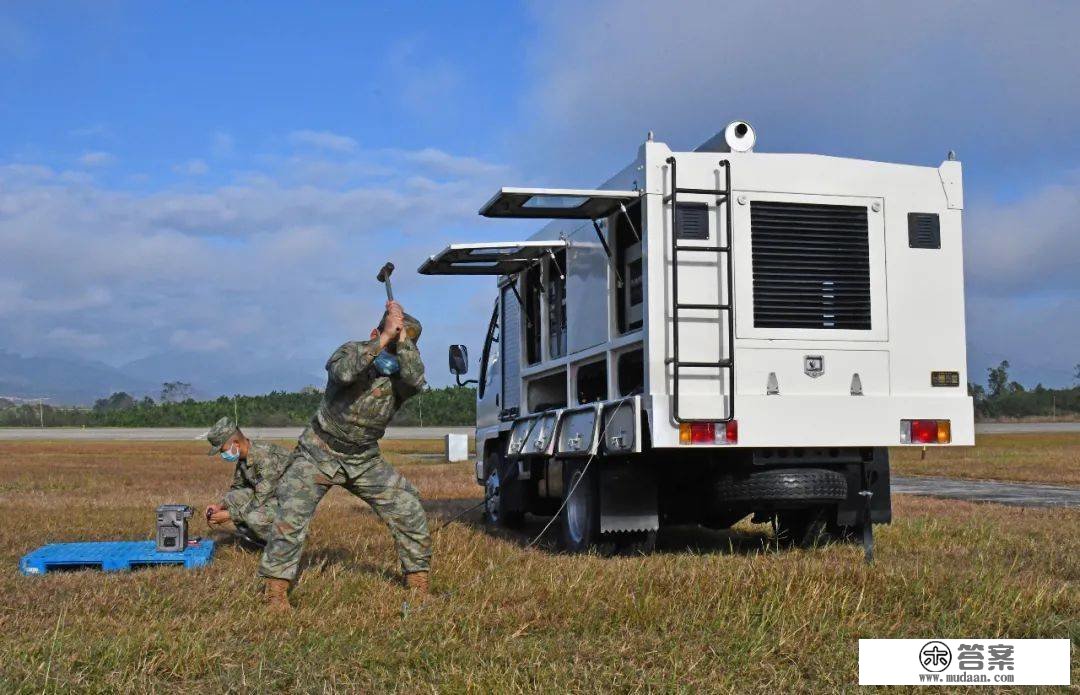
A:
(580, 518)
(496, 509)
(802, 486)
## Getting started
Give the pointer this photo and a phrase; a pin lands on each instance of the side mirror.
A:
(459, 360)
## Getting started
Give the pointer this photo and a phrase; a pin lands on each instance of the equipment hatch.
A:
(491, 258)
(556, 203)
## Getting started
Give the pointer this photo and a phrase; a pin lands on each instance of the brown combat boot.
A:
(418, 584)
(276, 595)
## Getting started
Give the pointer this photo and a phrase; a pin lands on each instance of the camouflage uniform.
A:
(251, 499)
(340, 447)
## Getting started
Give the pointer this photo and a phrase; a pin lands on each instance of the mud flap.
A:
(628, 498)
(852, 511)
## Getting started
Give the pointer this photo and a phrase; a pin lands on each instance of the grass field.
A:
(1052, 458)
(710, 612)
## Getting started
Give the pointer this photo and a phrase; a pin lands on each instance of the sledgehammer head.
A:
(384, 277)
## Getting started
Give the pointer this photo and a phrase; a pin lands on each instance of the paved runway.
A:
(1025, 427)
(1016, 494)
(163, 434)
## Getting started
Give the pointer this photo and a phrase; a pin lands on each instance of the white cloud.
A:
(438, 161)
(192, 167)
(323, 140)
(260, 265)
(96, 159)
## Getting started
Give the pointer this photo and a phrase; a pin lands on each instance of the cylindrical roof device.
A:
(740, 137)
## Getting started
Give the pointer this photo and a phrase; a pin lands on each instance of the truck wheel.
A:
(580, 521)
(808, 486)
(496, 512)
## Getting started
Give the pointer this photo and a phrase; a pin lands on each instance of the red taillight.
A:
(709, 432)
(702, 433)
(731, 432)
(924, 431)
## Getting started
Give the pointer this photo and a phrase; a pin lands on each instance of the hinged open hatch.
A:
(556, 203)
(491, 258)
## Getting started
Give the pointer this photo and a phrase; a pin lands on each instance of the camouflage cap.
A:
(412, 326)
(221, 432)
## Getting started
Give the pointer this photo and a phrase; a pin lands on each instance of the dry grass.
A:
(1033, 458)
(712, 612)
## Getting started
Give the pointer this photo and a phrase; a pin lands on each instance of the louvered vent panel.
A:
(924, 230)
(692, 220)
(811, 265)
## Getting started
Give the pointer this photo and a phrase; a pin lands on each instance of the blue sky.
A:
(216, 183)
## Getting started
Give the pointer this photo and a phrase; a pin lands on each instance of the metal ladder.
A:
(727, 355)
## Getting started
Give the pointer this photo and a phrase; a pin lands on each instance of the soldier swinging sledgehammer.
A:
(367, 381)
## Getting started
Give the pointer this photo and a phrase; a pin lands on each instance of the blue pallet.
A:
(112, 556)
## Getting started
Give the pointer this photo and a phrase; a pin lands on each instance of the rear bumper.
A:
(829, 421)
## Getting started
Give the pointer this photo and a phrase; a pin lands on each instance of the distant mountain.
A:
(66, 381)
(73, 381)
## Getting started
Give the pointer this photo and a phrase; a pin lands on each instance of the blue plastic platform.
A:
(112, 556)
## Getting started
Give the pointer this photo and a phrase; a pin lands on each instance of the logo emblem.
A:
(935, 656)
(814, 365)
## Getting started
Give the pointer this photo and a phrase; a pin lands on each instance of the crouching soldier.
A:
(367, 381)
(250, 503)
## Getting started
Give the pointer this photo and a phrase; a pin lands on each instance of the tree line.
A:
(453, 405)
(1003, 397)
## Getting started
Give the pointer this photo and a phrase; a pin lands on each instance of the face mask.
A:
(386, 364)
(232, 455)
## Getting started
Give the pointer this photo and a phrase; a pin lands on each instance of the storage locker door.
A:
(510, 342)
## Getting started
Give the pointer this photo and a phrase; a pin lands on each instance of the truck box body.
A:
(816, 302)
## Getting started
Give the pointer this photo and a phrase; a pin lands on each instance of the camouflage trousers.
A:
(255, 523)
(310, 475)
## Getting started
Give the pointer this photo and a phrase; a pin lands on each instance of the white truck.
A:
(719, 333)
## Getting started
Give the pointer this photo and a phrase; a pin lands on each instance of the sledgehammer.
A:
(384, 277)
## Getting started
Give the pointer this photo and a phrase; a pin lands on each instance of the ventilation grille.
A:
(811, 266)
(923, 230)
(692, 220)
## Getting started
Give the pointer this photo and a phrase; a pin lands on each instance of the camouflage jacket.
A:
(255, 479)
(359, 401)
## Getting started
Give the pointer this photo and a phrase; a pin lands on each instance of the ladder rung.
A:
(701, 191)
(707, 249)
(677, 365)
(720, 195)
(722, 307)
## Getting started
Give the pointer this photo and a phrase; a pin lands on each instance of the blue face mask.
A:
(386, 364)
(232, 455)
